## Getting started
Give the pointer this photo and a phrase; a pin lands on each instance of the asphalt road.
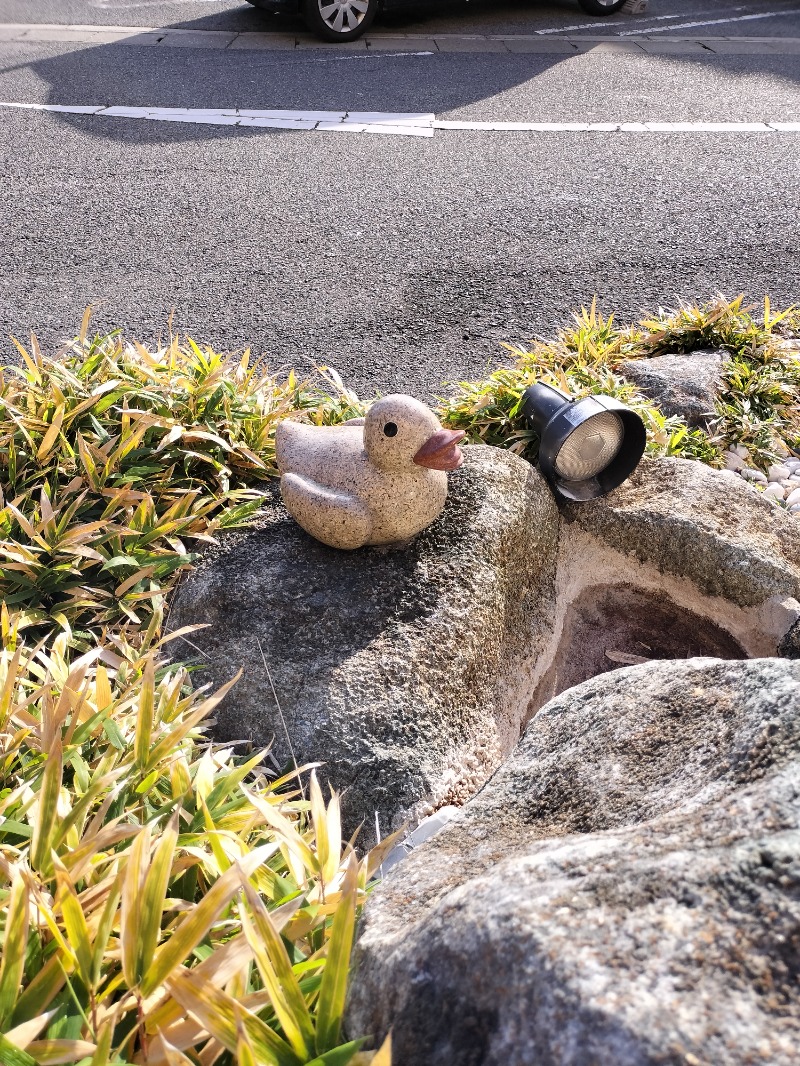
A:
(403, 262)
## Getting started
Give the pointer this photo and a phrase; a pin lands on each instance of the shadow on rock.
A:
(406, 672)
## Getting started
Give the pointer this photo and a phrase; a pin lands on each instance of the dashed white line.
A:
(389, 123)
(708, 22)
(593, 25)
(621, 127)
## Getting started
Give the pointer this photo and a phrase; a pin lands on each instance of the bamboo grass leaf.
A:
(16, 939)
(11, 1055)
(47, 809)
(383, 1057)
(104, 929)
(277, 974)
(102, 1053)
(52, 1052)
(155, 890)
(144, 719)
(222, 1016)
(43, 988)
(75, 923)
(174, 1057)
(340, 1056)
(293, 841)
(23, 1034)
(197, 923)
(333, 989)
(51, 436)
(172, 740)
(131, 911)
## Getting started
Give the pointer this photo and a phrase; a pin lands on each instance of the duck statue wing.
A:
(314, 451)
(336, 518)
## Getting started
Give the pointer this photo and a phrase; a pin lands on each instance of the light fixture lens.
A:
(590, 447)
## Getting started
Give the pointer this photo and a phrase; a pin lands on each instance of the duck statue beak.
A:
(439, 452)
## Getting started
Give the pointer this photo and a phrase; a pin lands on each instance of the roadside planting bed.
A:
(165, 899)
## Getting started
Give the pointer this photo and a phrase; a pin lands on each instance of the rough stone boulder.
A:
(411, 673)
(406, 672)
(680, 561)
(625, 891)
(707, 526)
(683, 385)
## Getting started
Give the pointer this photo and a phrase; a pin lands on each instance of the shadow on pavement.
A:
(308, 79)
(331, 78)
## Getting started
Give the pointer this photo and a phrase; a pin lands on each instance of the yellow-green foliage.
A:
(161, 900)
(160, 895)
(115, 462)
(759, 406)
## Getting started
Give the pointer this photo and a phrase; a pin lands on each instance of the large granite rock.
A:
(406, 672)
(707, 526)
(679, 561)
(683, 385)
(411, 673)
(624, 892)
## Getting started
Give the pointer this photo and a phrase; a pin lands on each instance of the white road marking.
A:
(641, 23)
(409, 125)
(708, 22)
(388, 123)
(111, 5)
(593, 26)
(372, 55)
(620, 127)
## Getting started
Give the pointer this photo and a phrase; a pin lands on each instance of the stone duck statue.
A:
(374, 480)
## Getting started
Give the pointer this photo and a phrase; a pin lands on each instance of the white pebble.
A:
(732, 461)
(793, 499)
(778, 473)
(794, 510)
(793, 464)
(741, 451)
(788, 484)
(753, 475)
(774, 492)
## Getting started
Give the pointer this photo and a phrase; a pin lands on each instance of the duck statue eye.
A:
(390, 429)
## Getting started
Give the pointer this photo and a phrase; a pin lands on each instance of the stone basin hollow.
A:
(609, 626)
(613, 611)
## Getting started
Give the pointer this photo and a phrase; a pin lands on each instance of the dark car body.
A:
(294, 6)
(345, 20)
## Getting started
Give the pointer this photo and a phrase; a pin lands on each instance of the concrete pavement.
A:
(562, 44)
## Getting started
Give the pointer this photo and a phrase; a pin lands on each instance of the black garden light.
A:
(588, 447)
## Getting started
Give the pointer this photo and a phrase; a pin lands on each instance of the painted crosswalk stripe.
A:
(388, 123)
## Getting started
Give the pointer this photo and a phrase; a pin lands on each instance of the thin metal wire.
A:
(283, 720)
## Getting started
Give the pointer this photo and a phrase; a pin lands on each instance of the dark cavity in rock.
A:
(607, 627)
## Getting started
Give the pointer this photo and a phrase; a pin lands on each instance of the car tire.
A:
(601, 7)
(339, 20)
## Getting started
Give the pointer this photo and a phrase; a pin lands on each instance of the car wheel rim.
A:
(344, 16)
